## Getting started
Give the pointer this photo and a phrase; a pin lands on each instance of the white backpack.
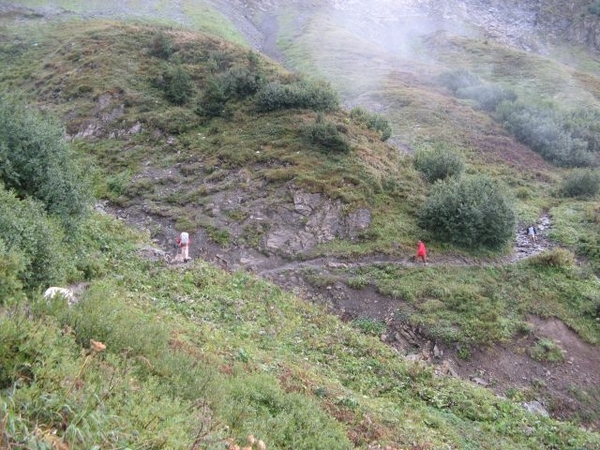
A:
(184, 239)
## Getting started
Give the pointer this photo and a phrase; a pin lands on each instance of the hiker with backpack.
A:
(532, 234)
(183, 241)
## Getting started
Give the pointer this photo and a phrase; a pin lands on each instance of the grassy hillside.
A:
(199, 358)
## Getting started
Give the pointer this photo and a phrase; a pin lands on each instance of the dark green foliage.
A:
(178, 85)
(36, 162)
(581, 183)
(241, 82)
(213, 99)
(302, 94)
(438, 164)
(237, 82)
(327, 136)
(373, 121)
(161, 46)
(584, 124)
(12, 264)
(470, 212)
(32, 241)
(544, 130)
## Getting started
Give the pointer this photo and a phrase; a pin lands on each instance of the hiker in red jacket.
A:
(422, 252)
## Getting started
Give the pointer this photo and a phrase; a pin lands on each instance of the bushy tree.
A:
(36, 162)
(470, 212)
(438, 164)
(34, 239)
(581, 183)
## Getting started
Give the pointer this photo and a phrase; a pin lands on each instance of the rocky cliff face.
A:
(524, 24)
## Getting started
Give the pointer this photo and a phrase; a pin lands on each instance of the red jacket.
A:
(421, 250)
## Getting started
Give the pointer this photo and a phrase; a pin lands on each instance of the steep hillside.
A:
(181, 129)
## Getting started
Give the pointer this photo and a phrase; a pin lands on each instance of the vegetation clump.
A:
(472, 212)
(177, 84)
(581, 183)
(373, 121)
(439, 163)
(303, 94)
(36, 162)
(326, 135)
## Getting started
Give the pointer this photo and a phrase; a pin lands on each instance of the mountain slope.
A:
(255, 193)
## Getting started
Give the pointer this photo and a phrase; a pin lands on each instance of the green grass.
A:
(481, 306)
(198, 355)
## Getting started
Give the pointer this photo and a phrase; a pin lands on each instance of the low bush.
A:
(161, 46)
(581, 183)
(326, 136)
(438, 164)
(546, 350)
(459, 79)
(241, 82)
(487, 96)
(470, 212)
(301, 94)
(372, 121)
(213, 100)
(178, 85)
(558, 258)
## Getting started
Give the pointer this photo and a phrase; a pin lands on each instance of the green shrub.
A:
(214, 98)
(581, 183)
(34, 242)
(546, 350)
(470, 212)
(487, 96)
(241, 82)
(161, 46)
(326, 135)
(36, 162)
(558, 258)
(370, 326)
(12, 264)
(178, 85)
(438, 164)
(372, 121)
(459, 79)
(544, 130)
(302, 94)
